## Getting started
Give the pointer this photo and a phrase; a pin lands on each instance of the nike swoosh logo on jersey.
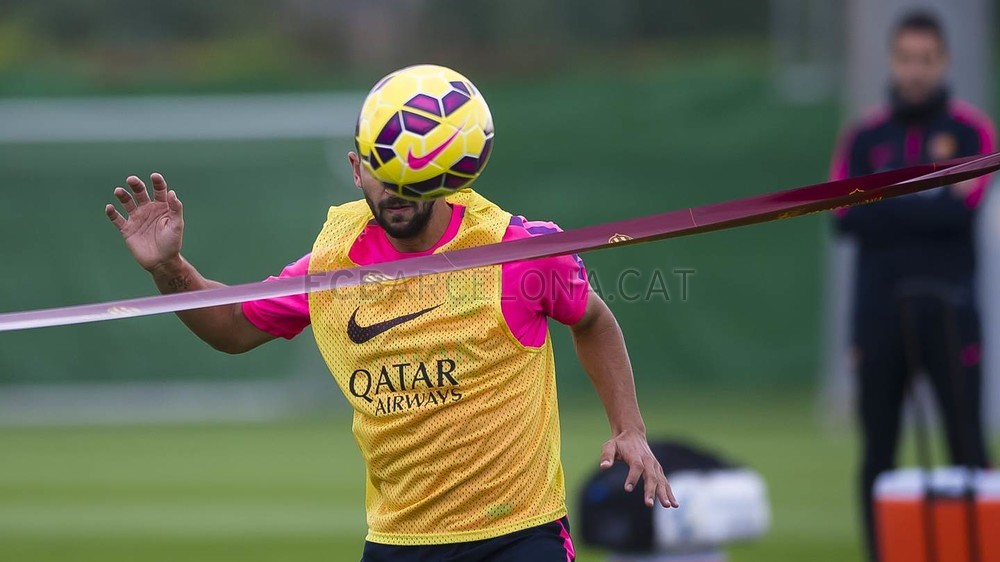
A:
(420, 162)
(361, 334)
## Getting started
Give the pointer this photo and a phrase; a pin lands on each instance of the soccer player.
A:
(914, 293)
(451, 376)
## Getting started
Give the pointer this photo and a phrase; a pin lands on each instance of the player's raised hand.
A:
(154, 229)
(633, 449)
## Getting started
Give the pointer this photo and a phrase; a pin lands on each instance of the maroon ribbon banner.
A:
(718, 216)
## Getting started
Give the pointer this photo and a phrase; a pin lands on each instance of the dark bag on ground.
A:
(720, 503)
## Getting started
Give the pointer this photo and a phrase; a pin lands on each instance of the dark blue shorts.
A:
(545, 543)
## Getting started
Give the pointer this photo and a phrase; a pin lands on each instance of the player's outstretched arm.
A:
(153, 233)
(601, 349)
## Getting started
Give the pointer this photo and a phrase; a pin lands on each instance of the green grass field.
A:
(294, 491)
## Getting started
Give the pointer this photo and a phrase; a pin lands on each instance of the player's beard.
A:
(397, 226)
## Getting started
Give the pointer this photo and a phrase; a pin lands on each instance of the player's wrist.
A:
(625, 428)
(174, 276)
(168, 268)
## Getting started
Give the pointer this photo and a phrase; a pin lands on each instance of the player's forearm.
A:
(215, 325)
(600, 346)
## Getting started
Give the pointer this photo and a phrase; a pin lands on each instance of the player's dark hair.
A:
(921, 21)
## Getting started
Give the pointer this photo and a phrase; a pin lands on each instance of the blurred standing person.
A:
(918, 249)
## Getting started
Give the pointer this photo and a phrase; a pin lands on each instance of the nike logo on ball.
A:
(361, 334)
(420, 162)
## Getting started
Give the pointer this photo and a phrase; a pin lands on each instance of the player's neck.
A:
(430, 235)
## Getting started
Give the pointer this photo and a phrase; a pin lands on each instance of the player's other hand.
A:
(154, 228)
(632, 448)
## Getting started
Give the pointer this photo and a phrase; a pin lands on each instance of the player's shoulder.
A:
(520, 227)
(299, 266)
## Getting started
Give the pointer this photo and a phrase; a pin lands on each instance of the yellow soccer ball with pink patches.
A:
(425, 131)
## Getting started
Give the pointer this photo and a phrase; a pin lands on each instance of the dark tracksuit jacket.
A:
(914, 286)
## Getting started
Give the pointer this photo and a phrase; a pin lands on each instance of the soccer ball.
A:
(425, 132)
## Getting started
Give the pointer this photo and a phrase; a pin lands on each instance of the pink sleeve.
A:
(565, 296)
(283, 317)
(534, 290)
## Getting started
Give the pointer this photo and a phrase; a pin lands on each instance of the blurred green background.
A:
(608, 144)
(601, 114)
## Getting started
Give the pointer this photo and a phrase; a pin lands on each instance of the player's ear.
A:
(355, 161)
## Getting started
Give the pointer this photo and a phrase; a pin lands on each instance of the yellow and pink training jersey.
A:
(451, 376)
